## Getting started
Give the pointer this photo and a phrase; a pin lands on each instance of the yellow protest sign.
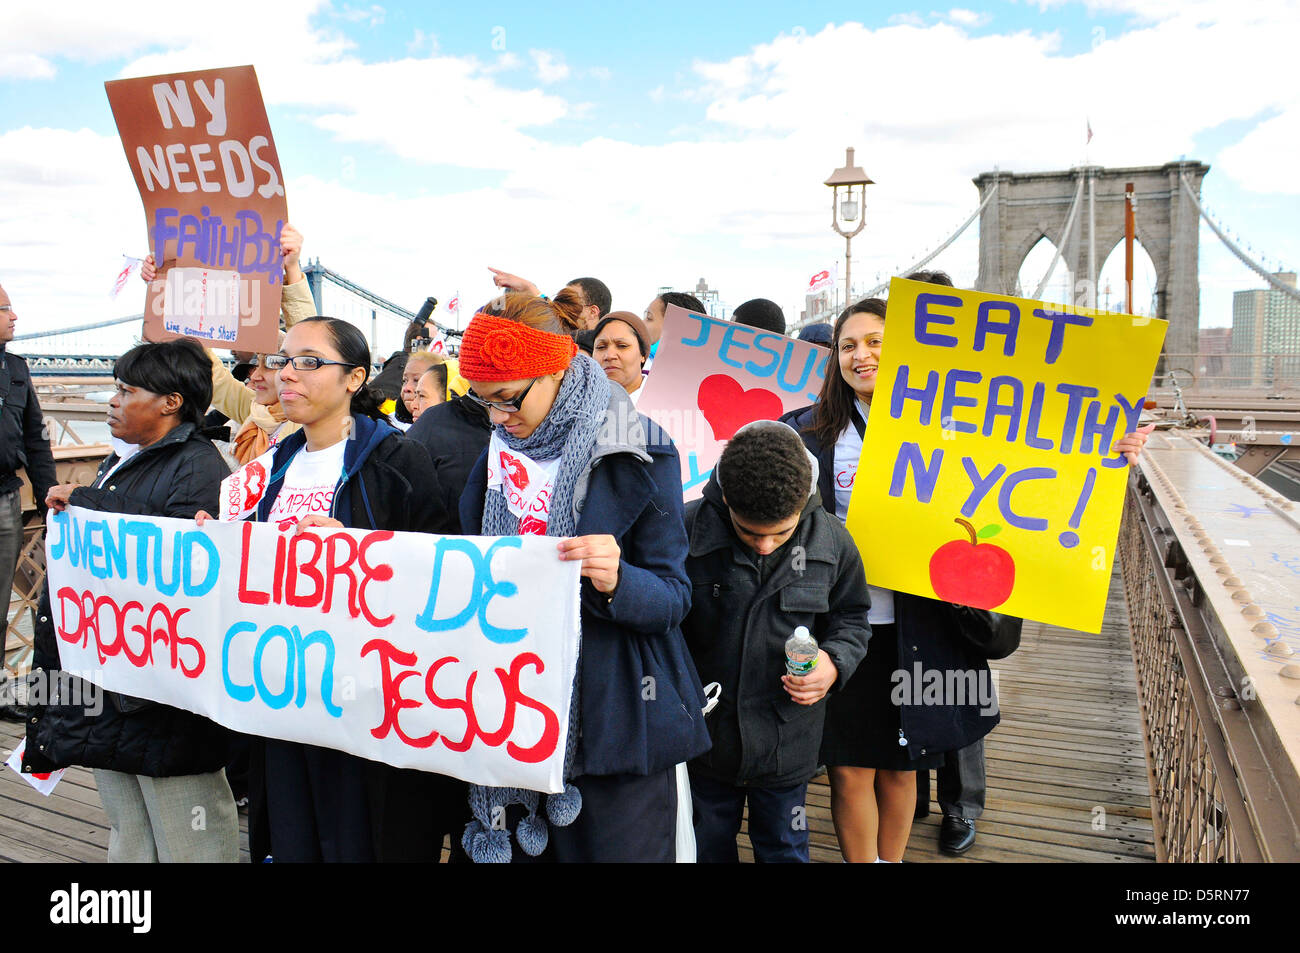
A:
(985, 477)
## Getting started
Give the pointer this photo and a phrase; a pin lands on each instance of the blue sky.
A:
(648, 144)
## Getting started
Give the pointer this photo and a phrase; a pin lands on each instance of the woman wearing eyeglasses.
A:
(345, 467)
(615, 505)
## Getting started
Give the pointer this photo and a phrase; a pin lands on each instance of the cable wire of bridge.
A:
(1065, 237)
(922, 262)
(77, 329)
(1234, 248)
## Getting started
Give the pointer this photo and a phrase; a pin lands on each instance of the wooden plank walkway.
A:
(1066, 761)
(69, 826)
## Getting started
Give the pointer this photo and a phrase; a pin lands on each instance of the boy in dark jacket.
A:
(765, 558)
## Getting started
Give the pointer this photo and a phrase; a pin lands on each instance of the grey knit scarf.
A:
(569, 432)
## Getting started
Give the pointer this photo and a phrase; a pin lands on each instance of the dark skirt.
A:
(863, 726)
(316, 804)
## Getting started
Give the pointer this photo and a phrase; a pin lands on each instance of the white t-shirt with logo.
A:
(848, 450)
(524, 482)
(308, 487)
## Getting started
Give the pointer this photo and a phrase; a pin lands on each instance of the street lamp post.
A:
(848, 209)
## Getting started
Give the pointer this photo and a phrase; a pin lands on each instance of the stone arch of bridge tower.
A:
(1032, 205)
(1026, 245)
(1108, 243)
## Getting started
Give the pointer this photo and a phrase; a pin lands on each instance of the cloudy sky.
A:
(647, 144)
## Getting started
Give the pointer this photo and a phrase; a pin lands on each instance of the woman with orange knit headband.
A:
(615, 504)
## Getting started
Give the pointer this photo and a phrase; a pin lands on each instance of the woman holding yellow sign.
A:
(880, 728)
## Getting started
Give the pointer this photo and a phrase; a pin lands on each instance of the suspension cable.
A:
(1065, 237)
(1232, 247)
(80, 327)
(918, 265)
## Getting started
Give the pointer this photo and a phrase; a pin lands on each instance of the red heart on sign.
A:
(727, 406)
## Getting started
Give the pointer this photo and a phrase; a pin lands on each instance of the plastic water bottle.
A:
(800, 652)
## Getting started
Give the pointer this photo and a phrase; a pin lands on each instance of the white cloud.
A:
(92, 31)
(504, 63)
(1264, 160)
(421, 41)
(372, 15)
(68, 208)
(25, 66)
(550, 67)
(406, 106)
(423, 110)
(968, 18)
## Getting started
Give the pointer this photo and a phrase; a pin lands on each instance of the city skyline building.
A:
(1265, 329)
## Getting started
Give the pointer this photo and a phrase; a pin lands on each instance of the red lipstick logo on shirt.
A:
(515, 471)
(254, 484)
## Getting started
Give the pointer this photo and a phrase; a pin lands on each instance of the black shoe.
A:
(956, 834)
(13, 712)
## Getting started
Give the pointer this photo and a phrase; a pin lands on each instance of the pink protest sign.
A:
(712, 377)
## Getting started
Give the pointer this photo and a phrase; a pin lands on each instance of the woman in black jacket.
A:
(871, 754)
(878, 734)
(154, 764)
(346, 467)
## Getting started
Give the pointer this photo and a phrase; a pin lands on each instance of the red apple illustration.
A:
(973, 574)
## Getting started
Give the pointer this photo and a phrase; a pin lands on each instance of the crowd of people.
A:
(687, 596)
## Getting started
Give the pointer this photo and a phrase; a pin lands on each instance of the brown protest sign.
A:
(199, 145)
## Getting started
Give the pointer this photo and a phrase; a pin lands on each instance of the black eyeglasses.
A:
(302, 362)
(505, 406)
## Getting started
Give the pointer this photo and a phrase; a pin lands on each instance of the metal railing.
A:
(1219, 792)
(1272, 372)
(75, 461)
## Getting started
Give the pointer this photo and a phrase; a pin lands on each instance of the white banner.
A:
(452, 654)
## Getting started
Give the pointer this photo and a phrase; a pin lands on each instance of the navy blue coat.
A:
(928, 636)
(629, 725)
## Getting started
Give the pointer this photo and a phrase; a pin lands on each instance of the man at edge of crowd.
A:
(24, 445)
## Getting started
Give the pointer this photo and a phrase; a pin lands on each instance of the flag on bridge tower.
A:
(1089, 122)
